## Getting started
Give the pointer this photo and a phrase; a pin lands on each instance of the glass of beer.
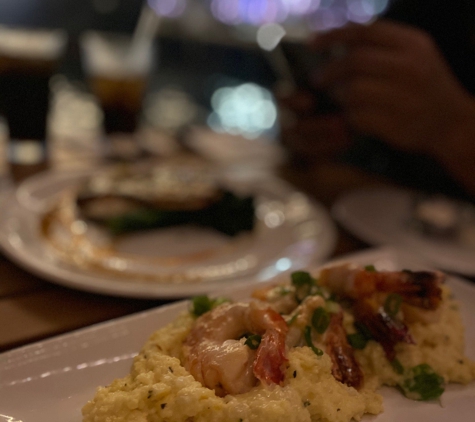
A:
(118, 71)
(28, 59)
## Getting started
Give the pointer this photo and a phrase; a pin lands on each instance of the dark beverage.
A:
(121, 101)
(28, 59)
(118, 70)
(24, 96)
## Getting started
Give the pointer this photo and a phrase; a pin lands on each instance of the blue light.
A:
(283, 264)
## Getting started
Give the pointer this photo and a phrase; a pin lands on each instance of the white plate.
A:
(51, 381)
(291, 232)
(380, 216)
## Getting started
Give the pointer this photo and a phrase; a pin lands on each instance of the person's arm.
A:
(394, 84)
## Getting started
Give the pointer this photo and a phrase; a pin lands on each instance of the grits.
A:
(159, 388)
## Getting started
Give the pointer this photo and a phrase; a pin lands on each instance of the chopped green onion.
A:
(371, 268)
(253, 341)
(392, 304)
(202, 304)
(320, 319)
(301, 278)
(364, 330)
(292, 320)
(304, 285)
(423, 384)
(398, 368)
(308, 340)
(357, 340)
(360, 339)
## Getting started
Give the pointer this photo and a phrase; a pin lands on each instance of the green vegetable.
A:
(320, 320)
(371, 268)
(308, 340)
(398, 368)
(357, 340)
(305, 285)
(253, 341)
(230, 215)
(392, 304)
(301, 278)
(202, 304)
(360, 339)
(423, 383)
(292, 320)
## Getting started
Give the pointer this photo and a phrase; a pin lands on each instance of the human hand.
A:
(394, 84)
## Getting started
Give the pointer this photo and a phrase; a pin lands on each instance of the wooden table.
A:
(33, 309)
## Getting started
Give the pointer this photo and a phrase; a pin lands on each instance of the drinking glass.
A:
(28, 59)
(118, 70)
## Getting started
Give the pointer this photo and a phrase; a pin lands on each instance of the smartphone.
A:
(298, 63)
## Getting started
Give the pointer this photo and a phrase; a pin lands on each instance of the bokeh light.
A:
(319, 14)
(168, 8)
(248, 110)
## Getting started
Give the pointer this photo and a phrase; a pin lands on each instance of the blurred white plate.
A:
(381, 216)
(291, 232)
(51, 381)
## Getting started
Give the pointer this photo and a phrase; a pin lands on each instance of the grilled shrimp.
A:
(345, 367)
(334, 341)
(419, 292)
(417, 288)
(215, 352)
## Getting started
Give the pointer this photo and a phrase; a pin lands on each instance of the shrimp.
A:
(215, 352)
(385, 329)
(417, 288)
(300, 317)
(345, 367)
(281, 297)
(419, 291)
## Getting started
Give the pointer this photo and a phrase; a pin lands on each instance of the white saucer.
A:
(381, 216)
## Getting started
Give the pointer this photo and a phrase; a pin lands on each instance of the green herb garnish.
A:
(398, 368)
(360, 339)
(292, 320)
(392, 304)
(253, 341)
(320, 320)
(305, 285)
(371, 268)
(357, 340)
(202, 304)
(308, 340)
(423, 383)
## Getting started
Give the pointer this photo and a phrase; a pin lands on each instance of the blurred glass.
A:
(28, 59)
(118, 71)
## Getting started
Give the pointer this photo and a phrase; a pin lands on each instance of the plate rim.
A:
(368, 234)
(87, 281)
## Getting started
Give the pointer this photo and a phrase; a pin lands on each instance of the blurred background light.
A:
(248, 110)
(168, 8)
(259, 12)
(269, 36)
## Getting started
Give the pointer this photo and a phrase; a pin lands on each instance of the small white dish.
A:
(291, 232)
(50, 381)
(382, 216)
